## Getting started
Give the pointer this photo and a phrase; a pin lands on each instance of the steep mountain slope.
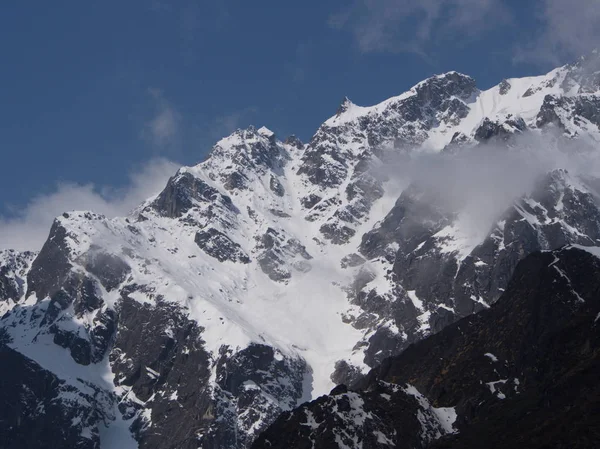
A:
(270, 272)
(13, 277)
(521, 374)
(436, 273)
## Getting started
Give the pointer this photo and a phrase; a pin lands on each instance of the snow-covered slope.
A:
(270, 272)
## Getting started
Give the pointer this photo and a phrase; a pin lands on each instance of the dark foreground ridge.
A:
(523, 373)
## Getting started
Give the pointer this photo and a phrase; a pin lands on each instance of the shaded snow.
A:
(435, 421)
(491, 356)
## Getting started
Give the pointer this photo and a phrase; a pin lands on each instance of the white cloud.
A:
(162, 130)
(411, 25)
(482, 183)
(28, 229)
(569, 29)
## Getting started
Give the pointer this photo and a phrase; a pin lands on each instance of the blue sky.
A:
(95, 97)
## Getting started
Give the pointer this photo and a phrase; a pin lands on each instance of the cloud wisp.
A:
(411, 26)
(163, 129)
(29, 227)
(568, 29)
(481, 183)
(554, 32)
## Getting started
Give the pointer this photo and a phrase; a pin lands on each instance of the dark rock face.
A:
(558, 110)
(520, 374)
(489, 130)
(50, 267)
(417, 214)
(258, 154)
(87, 344)
(338, 234)
(345, 374)
(274, 266)
(254, 386)
(352, 260)
(309, 201)
(279, 213)
(181, 194)
(276, 186)
(108, 268)
(294, 142)
(361, 193)
(216, 244)
(348, 419)
(13, 274)
(158, 355)
(279, 255)
(504, 87)
(548, 113)
(436, 90)
(248, 152)
(37, 410)
(588, 107)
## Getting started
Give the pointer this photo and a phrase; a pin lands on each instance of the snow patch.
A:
(435, 421)
(492, 357)
(494, 390)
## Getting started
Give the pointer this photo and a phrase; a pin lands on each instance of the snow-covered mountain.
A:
(274, 270)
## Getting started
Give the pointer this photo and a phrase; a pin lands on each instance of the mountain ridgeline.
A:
(277, 271)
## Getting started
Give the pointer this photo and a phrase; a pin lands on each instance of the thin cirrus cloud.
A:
(568, 29)
(556, 31)
(413, 25)
(28, 228)
(163, 127)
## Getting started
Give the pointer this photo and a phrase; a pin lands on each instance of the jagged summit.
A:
(452, 82)
(344, 106)
(294, 142)
(264, 131)
(432, 90)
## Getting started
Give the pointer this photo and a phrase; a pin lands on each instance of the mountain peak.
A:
(293, 141)
(242, 135)
(344, 106)
(266, 132)
(450, 75)
(446, 85)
